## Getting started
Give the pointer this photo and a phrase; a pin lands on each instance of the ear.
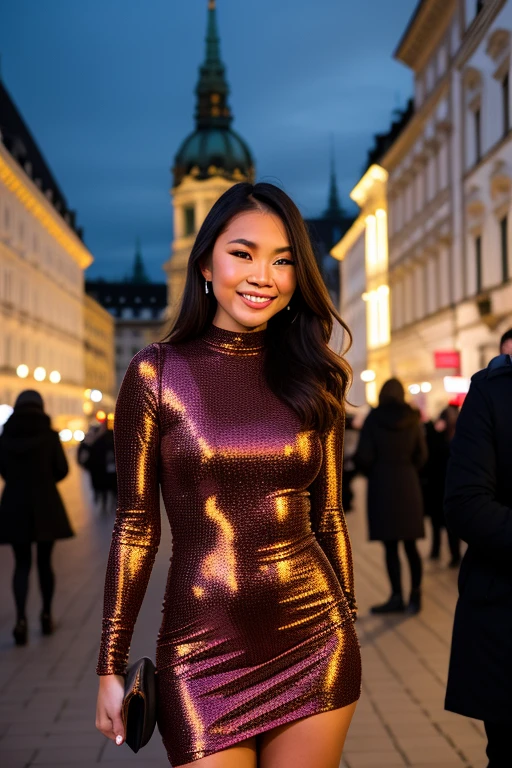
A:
(206, 271)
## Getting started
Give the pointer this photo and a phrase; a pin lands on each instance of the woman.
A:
(391, 451)
(32, 461)
(439, 435)
(239, 418)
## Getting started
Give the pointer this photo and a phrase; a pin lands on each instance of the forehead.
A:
(261, 227)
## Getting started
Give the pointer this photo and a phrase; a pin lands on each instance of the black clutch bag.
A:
(139, 703)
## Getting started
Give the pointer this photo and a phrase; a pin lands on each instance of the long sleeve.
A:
(327, 516)
(60, 463)
(471, 508)
(136, 533)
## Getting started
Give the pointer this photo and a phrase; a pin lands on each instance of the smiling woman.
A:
(238, 416)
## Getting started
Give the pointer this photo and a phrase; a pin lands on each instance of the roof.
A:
(130, 300)
(19, 142)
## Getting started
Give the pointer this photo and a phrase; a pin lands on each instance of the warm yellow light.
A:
(415, 389)
(40, 373)
(426, 386)
(22, 371)
(96, 396)
(66, 435)
(88, 407)
(382, 238)
(79, 435)
(101, 415)
(87, 394)
(368, 376)
(371, 243)
(371, 392)
(55, 377)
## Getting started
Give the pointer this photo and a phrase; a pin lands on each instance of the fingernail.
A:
(119, 739)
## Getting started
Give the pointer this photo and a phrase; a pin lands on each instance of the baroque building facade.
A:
(210, 160)
(42, 263)
(447, 192)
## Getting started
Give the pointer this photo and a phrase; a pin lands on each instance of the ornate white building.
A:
(210, 160)
(448, 191)
(42, 263)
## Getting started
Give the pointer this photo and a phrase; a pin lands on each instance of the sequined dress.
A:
(257, 627)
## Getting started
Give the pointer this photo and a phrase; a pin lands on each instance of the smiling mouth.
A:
(257, 299)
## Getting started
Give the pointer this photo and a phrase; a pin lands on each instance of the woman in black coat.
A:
(32, 461)
(391, 451)
(478, 508)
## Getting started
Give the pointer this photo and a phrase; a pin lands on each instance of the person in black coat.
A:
(478, 507)
(439, 435)
(32, 461)
(391, 451)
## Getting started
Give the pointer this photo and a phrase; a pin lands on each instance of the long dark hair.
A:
(300, 368)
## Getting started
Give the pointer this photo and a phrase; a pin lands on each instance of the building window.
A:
(478, 134)
(478, 263)
(190, 220)
(505, 95)
(505, 273)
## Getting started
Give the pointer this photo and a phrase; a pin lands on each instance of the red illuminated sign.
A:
(447, 359)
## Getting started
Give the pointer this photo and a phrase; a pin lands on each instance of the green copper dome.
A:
(213, 149)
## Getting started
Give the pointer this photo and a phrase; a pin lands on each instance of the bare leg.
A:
(242, 755)
(313, 742)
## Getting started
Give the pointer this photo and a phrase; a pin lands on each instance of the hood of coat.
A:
(396, 416)
(26, 428)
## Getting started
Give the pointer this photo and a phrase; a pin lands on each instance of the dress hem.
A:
(193, 756)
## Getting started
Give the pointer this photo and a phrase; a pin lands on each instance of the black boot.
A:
(395, 604)
(20, 632)
(47, 624)
(414, 601)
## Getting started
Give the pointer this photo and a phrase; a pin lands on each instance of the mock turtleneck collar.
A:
(234, 342)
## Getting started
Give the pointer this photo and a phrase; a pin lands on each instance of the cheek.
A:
(287, 283)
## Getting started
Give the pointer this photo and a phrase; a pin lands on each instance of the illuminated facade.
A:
(42, 261)
(363, 252)
(210, 160)
(99, 358)
(449, 197)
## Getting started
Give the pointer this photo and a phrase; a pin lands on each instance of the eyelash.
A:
(240, 254)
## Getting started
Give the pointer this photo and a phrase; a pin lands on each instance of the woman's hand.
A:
(108, 708)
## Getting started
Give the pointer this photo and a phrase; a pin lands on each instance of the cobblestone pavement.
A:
(48, 689)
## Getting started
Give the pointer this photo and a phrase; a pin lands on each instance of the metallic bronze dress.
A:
(257, 626)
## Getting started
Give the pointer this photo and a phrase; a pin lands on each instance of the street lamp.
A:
(65, 435)
(40, 373)
(22, 371)
(79, 435)
(415, 389)
(368, 376)
(426, 386)
(55, 377)
(96, 396)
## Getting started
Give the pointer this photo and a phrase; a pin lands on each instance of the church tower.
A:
(210, 160)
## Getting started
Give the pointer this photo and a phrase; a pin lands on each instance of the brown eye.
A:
(241, 254)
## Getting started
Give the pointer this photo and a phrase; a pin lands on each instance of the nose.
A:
(261, 275)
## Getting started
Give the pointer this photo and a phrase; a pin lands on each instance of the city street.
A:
(47, 689)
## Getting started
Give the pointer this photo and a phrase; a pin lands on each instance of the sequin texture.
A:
(257, 627)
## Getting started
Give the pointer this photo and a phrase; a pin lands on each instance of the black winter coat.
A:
(478, 508)
(391, 450)
(433, 475)
(32, 461)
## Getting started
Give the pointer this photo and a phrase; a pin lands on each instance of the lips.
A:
(256, 300)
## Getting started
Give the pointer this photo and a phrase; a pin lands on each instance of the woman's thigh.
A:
(242, 755)
(313, 742)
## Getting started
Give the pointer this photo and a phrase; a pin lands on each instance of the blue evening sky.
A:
(107, 89)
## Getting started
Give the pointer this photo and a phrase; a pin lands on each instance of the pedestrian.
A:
(478, 508)
(390, 453)
(32, 462)
(101, 465)
(239, 417)
(439, 434)
(506, 343)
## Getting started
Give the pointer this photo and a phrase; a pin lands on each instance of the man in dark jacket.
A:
(506, 343)
(478, 508)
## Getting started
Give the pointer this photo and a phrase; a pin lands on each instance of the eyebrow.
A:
(250, 244)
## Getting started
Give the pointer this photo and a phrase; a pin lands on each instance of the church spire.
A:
(212, 110)
(334, 209)
(139, 275)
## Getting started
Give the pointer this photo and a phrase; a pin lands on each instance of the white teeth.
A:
(256, 299)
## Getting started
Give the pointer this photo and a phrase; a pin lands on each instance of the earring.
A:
(288, 307)
(206, 290)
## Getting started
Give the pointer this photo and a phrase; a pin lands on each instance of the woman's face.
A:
(252, 271)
